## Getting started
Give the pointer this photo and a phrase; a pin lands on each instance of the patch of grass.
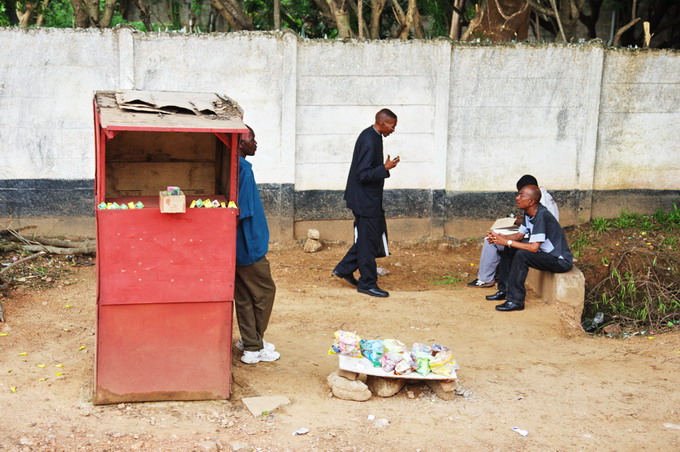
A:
(600, 225)
(581, 242)
(446, 280)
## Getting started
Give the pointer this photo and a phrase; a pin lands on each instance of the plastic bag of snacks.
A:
(393, 345)
(423, 363)
(403, 367)
(418, 348)
(346, 344)
(443, 363)
(373, 350)
(387, 362)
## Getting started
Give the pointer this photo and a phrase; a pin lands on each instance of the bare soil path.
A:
(518, 369)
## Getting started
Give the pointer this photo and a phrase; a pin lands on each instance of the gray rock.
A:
(264, 405)
(209, 446)
(445, 390)
(384, 387)
(312, 245)
(240, 446)
(345, 389)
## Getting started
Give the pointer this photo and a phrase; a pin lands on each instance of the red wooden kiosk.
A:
(165, 281)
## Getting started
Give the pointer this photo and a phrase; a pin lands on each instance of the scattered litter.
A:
(4, 334)
(520, 431)
(58, 365)
(42, 366)
(82, 347)
(669, 425)
(301, 431)
(382, 271)
(13, 389)
(371, 417)
(379, 423)
(59, 374)
(23, 354)
(68, 306)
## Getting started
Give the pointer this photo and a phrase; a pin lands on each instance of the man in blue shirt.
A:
(545, 249)
(254, 288)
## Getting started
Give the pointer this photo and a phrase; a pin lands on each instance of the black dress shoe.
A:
(374, 292)
(510, 306)
(500, 295)
(349, 278)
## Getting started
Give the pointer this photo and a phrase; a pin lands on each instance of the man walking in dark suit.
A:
(364, 195)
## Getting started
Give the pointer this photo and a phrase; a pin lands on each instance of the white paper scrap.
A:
(520, 431)
(301, 431)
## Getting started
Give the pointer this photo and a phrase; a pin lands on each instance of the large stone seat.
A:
(566, 290)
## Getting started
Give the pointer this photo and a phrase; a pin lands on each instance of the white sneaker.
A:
(268, 345)
(262, 355)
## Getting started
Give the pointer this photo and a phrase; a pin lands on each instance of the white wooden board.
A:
(365, 366)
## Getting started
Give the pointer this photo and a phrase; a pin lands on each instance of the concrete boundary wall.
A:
(594, 125)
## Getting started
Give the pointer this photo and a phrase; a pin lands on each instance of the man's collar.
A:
(374, 129)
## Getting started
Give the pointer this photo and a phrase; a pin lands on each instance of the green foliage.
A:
(58, 14)
(446, 280)
(600, 225)
(626, 220)
(579, 243)
(4, 20)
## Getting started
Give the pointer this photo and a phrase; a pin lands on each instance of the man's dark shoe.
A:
(374, 292)
(481, 284)
(500, 295)
(349, 278)
(510, 306)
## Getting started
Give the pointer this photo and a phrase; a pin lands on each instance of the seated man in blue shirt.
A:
(545, 249)
(254, 288)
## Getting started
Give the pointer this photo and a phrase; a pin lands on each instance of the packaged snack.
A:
(387, 363)
(403, 367)
(393, 345)
(443, 363)
(101, 205)
(423, 363)
(421, 348)
(139, 205)
(346, 344)
(373, 350)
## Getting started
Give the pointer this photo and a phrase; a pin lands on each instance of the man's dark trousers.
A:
(364, 251)
(514, 267)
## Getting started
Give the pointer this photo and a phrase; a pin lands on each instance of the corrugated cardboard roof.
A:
(168, 111)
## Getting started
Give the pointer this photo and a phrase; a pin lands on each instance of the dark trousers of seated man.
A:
(514, 267)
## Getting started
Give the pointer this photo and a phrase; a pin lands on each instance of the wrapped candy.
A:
(346, 344)
(373, 350)
(443, 363)
(101, 205)
(139, 205)
(423, 363)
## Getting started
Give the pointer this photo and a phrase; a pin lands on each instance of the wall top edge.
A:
(289, 34)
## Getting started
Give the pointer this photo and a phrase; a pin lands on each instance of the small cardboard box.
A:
(172, 203)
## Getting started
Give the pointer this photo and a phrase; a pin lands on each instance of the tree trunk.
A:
(377, 7)
(41, 17)
(233, 13)
(277, 14)
(360, 18)
(80, 15)
(25, 15)
(326, 13)
(506, 20)
(144, 14)
(107, 14)
(455, 20)
(93, 11)
(340, 9)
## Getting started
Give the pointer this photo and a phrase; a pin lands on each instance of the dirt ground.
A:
(518, 369)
